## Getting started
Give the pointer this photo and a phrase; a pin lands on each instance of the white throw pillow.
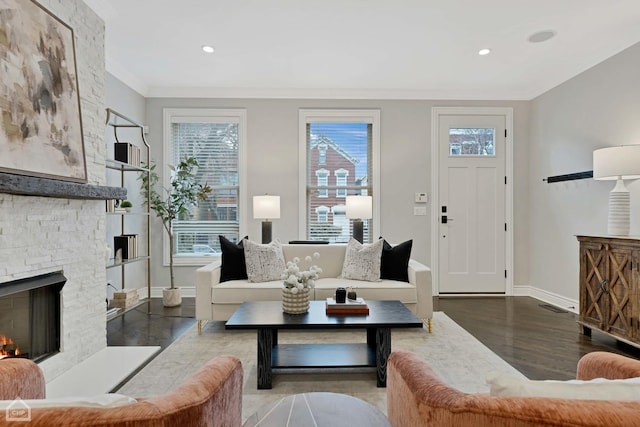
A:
(504, 385)
(109, 400)
(362, 262)
(265, 263)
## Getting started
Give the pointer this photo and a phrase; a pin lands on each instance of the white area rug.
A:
(461, 361)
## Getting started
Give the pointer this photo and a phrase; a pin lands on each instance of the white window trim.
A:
(333, 115)
(211, 115)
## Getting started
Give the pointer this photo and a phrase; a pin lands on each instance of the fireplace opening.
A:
(30, 316)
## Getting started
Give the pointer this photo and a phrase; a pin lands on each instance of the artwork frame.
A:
(41, 130)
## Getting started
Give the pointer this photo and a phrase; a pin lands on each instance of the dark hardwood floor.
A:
(540, 342)
(151, 324)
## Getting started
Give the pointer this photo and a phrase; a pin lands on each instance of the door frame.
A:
(436, 112)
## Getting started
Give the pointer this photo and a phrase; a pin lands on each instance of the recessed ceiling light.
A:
(541, 36)
(207, 48)
(484, 51)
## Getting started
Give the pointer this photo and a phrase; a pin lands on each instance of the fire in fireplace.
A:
(30, 316)
(8, 348)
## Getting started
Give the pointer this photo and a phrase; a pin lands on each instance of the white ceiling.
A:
(383, 49)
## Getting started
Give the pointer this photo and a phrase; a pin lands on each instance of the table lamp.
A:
(359, 208)
(266, 207)
(617, 163)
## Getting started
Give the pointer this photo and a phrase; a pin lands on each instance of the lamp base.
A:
(266, 232)
(358, 230)
(619, 208)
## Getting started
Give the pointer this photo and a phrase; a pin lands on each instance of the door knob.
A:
(445, 219)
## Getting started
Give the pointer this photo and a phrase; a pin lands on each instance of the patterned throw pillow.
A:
(362, 262)
(265, 263)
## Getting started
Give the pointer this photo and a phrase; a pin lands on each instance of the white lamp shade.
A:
(359, 207)
(610, 163)
(266, 207)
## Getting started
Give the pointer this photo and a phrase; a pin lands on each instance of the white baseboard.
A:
(186, 291)
(546, 296)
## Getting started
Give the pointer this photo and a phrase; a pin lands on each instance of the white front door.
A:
(471, 204)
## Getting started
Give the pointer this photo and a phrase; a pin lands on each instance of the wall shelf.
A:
(569, 177)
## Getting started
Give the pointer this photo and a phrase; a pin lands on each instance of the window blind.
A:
(215, 144)
(338, 164)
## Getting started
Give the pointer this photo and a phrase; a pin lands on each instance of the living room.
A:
(555, 132)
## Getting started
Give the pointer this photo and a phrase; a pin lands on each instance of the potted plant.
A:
(127, 205)
(183, 193)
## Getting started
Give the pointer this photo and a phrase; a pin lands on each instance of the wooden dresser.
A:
(609, 282)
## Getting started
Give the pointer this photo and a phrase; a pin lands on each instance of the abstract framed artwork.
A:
(40, 121)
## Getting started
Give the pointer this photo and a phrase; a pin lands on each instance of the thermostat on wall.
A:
(421, 198)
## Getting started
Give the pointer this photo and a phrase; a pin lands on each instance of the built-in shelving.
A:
(119, 122)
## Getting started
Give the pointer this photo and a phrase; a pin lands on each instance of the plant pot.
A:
(171, 297)
(297, 303)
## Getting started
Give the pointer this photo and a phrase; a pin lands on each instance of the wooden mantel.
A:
(45, 187)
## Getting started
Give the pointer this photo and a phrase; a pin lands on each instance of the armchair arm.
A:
(417, 397)
(420, 277)
(206, 277)
(21, 378)
(601, 364)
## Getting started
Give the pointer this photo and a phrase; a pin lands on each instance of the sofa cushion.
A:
(394, 262)
(504, 385)
(233, 266)
(362, 262)
(264, 262)
(108, 400)
(236, 291)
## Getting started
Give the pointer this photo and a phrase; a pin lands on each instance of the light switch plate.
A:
(420, 210)
(421, 198)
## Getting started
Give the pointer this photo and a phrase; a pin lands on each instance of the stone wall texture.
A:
(41, 234)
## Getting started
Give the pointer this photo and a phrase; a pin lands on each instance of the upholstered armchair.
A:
(417, 397)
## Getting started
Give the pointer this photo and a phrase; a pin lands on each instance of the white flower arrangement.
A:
(295, 279)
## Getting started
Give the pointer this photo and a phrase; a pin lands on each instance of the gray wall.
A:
(405, 158)
(598, 108)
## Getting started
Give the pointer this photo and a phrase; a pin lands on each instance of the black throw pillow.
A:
(233, 264)
(395, 261)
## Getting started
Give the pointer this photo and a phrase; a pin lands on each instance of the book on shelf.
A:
(126, 153)
(127, 244)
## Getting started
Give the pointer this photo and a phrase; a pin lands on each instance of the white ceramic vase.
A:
(297, 303)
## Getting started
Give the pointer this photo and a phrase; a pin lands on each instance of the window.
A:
(341, 182)
(339, 157)
(472, 142)
(322, 213)
(322, 154)
(322, 177)
(216, 139)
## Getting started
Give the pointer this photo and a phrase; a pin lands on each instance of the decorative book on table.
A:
(357, 306)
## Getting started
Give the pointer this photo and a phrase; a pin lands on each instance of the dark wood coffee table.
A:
(267, 317)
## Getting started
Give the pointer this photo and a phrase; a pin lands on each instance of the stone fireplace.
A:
(30, 316)
(45, 235)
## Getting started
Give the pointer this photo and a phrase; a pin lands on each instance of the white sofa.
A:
(218, 301)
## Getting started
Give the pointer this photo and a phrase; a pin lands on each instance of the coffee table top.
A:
(318, 409)
(268, 314)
